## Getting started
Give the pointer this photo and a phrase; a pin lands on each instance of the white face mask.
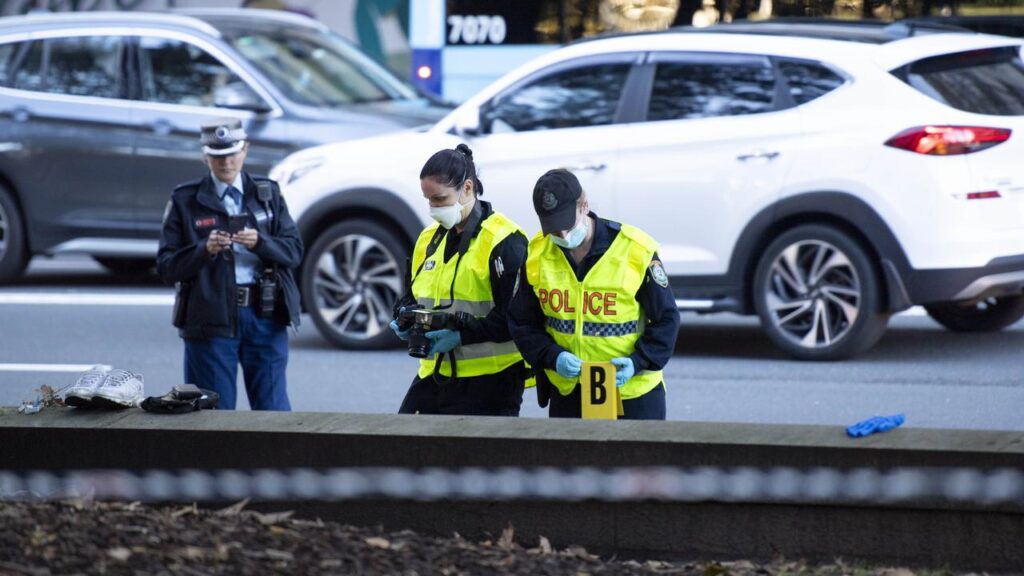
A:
(575, 237)
(447, 216)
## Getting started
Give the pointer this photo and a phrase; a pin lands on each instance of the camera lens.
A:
(419, 345)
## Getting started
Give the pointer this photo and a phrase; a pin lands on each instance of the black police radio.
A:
(267, 283)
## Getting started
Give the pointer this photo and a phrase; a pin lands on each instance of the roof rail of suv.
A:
(101, 18)
(865, 31)
(281, 16)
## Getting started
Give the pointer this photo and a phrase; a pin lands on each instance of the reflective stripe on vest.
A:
(599, 318)
(432, 289)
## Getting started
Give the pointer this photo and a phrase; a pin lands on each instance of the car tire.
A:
(352, 277)
(13, 247)
(127, 266)
(817, 294)
(987, 315)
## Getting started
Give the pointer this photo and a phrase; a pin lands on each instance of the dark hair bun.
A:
(465, 150)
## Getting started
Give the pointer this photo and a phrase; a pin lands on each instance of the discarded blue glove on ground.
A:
(568, 365)
(874, 424)
(403, 334)
(624, 370)
(444, 340)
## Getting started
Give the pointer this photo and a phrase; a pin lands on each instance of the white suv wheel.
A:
(817, 295)
(351, 280)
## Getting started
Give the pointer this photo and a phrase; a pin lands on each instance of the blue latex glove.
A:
(442, 341)
(874, 424)
(568, 365)
(624, 370)
(403, 334)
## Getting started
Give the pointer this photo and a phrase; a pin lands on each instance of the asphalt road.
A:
(68, 313)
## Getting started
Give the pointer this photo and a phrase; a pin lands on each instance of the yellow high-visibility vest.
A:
(599, 318)
(432, 288)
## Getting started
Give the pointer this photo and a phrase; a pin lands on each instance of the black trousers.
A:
(650, 406)
(498, 394)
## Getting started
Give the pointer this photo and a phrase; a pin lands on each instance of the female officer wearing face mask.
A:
(465, 262)
(592, 290)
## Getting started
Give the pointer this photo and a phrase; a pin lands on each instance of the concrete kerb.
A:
(974, 537)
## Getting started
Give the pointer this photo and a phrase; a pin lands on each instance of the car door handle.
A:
(756, 155)
(19, 114)
(585, 167)
(161, 127)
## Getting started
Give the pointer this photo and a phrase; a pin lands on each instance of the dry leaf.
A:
(119, 553)
(234, 509)
(378, 542)
(271, 519)
(544, 545)
(506, 541)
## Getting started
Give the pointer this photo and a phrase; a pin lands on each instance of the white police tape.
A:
(1002, 487)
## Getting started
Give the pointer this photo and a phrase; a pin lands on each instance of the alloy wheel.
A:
(354, 285)
(5, 231)
(813, 294)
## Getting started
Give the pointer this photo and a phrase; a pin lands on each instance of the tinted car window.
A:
(84, 66)
(981, 81)
(702, 90)
(175, 72)
(77, 66)
(585, 96)
(808, 80)
(7, 52)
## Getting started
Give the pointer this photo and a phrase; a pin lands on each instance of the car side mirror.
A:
(238, 96)
(468, 123)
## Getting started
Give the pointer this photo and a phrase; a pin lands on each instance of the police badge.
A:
(658, 274)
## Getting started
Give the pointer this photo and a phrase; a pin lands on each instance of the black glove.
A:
(181, 399)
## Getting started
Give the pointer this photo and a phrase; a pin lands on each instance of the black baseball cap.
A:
(554, 200)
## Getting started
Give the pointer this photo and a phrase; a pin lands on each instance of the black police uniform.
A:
(498, 394)
(211, 299)
(652, 350)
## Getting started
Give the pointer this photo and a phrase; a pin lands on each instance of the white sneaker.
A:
(120, 389)
(85, 387)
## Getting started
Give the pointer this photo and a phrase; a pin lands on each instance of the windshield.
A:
(318, 69)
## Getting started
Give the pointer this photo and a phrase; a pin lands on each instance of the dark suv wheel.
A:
(351, 278)
(818, 295)
(13, 251)
(986, 315)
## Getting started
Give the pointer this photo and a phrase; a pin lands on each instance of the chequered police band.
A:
(560, 325)
(607, 329)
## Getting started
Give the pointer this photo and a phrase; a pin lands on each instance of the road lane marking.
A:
(95, 299)
(47, 367)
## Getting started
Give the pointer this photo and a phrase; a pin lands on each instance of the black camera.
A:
(418, 321)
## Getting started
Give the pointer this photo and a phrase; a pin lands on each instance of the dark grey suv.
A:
(100, 112)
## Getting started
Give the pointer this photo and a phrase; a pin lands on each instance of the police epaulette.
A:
(189, 184)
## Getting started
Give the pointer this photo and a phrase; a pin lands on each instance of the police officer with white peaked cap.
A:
(230, 246)
(592, 290)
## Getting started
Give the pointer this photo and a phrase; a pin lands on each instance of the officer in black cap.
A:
(230, 247)
(592, 290)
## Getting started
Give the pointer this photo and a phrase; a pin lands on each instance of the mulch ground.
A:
(82, 537)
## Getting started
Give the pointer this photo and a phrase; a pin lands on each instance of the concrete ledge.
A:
(68, 438)
(962, 537)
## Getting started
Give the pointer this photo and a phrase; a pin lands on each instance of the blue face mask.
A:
(575, 237)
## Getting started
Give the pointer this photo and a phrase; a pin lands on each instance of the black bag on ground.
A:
(181, 399)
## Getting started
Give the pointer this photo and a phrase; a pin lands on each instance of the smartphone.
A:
(237, 223)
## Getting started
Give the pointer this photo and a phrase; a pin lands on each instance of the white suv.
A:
(820, 175)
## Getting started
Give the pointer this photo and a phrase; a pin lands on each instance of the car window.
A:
(317, 69)
(7, 52)
(707, 89)
(808, 80)
(584, 96)
(987, 81)
(76, 66)
(176, 72)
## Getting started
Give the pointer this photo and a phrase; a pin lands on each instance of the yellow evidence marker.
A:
(598, 394)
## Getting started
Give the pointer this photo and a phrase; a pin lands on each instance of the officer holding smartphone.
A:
(230, 247)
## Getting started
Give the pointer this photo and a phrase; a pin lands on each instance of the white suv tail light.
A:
(948, 140)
